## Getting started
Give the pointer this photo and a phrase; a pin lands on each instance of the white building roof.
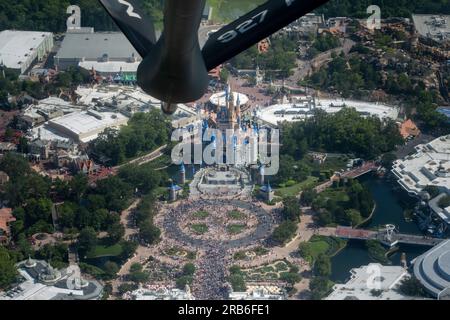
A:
(433, 268)
(436, 27)
(430, 166)
(110, 66)
(87, 126)
(17, 46)
(362, 283)
(219, 99)
(92, 46)
(256, 292)
(292, 112)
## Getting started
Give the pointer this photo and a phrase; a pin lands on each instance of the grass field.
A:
(228, 10)
(236, 215)
(199, 228)
(105, 251)
(235, 228)
(297, 188)
(200, 215)
(318, 245)
(338, 195)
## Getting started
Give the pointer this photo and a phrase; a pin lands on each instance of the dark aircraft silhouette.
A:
(174, 67)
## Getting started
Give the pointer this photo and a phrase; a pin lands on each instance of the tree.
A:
(116, 192)
(224, 75)
(291, 210)
(320, 287)
(352, 218)
(111, 268)
(284, 232)
(189, 269)
(183, 281)
(388, 160)
(78, 186)
(139, 277)
(412, 287)
(8, 271)
(38, 210)
(322, 266)
(308, 197)
(237, 280)
(291, 277)
(115, 233)
(149, 233)
(136, 267)
(67, 215)
(128, 249)
(87, 240)
(56, 255)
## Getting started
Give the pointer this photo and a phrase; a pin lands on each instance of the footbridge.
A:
(387, 235)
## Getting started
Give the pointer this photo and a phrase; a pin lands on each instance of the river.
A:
(389, 210)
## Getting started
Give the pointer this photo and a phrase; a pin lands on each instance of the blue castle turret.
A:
(182, 174)
(173, 191)
(267, 192)
(262, 172)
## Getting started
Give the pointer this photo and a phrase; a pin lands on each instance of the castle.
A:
(229, 114)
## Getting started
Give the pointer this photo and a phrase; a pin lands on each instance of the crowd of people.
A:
(210, 281)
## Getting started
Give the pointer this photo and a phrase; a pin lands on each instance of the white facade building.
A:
(371, 282)
(154, 292)
(432, 269)
(20, 49)
(87, 125)
(301, 109)
(429, 166)
(255, 293)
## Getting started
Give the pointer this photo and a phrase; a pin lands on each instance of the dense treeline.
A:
(291, 217)
(144, 132)
(398, 8)
(50, 15)
(356, 76)
(11, 85)
(343, 132)
(280, 57)
(87, 210)
(345, 204)
(322, 43)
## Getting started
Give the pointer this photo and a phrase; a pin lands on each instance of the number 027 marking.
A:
(244, 27)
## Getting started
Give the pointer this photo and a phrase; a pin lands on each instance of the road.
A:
(409, 147)
(204, 30)
(307, 67)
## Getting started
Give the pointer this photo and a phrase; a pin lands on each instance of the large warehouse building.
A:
(86, 126)
(19, 50)
(106, 52)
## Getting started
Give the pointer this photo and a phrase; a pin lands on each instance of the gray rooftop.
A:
(433, 268)
(93, 46)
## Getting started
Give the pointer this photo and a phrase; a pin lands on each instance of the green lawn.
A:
(318, 245)
(199, 228)
(200, 215)
(105, 251)
(338, 195)
(297, 188)
(236, 215)
(228, 10)
(235, 228)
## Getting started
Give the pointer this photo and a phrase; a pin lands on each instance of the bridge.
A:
(387, 236)
(352, 174)
(360, 171)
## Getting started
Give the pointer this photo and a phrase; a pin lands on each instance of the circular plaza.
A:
(228, 224)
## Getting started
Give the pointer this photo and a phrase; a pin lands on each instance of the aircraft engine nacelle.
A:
(174, 71)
